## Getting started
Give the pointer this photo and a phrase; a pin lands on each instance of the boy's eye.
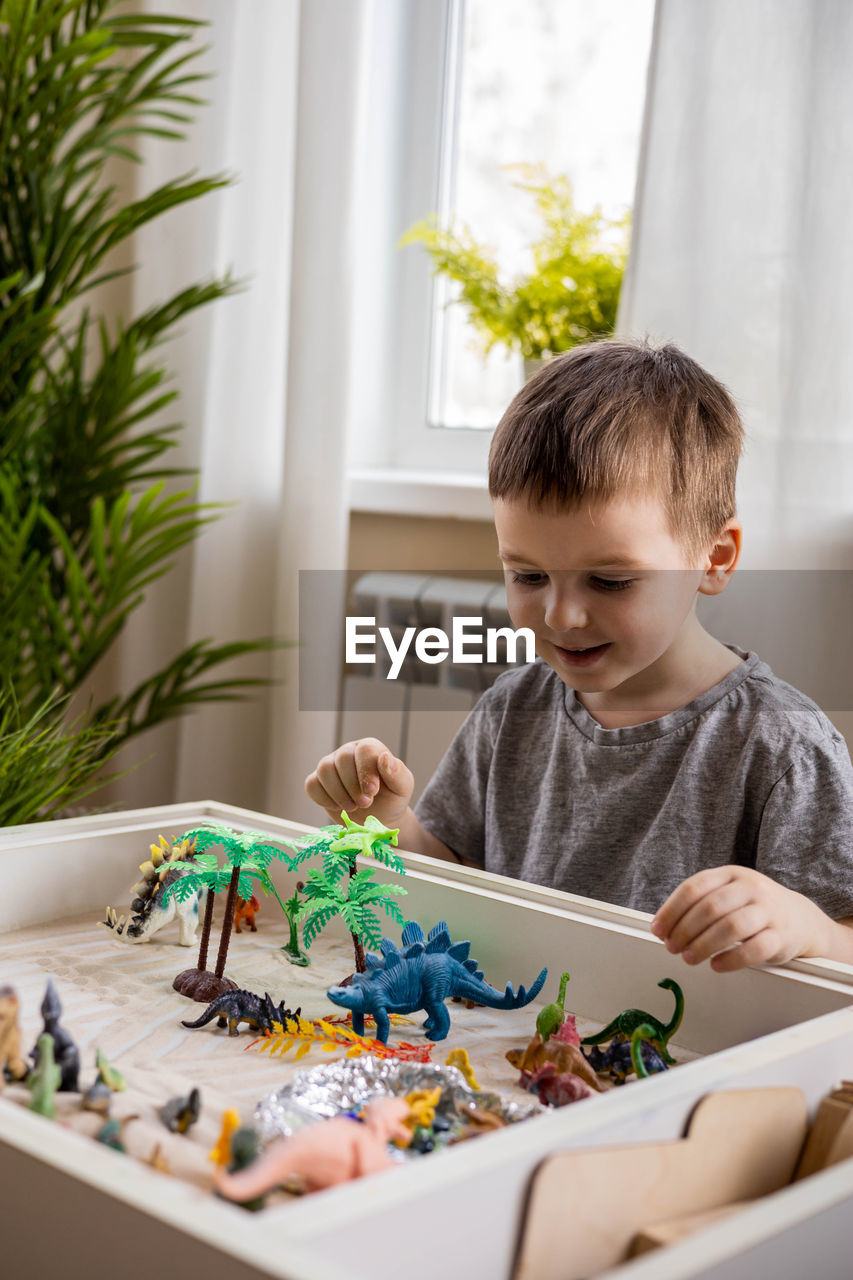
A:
(530, 579)
(611, 584)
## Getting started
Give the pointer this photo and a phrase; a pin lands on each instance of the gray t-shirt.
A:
(751, 772)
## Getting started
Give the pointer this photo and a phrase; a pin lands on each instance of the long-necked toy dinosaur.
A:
(624, 1024)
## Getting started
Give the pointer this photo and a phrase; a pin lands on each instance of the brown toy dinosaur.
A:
(565, 1057)
(10, 1037)
(244, 912)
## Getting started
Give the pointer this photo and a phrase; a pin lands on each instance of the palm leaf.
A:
(315, 923)
(86, 523)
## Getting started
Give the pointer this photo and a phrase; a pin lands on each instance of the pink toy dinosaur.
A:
(326, 1154)
(553, 1088)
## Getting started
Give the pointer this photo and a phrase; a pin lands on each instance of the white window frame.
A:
(410, 62)
(421, 440)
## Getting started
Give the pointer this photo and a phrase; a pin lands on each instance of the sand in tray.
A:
(118, 997)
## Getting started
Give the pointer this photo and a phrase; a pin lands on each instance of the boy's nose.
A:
(565, 610)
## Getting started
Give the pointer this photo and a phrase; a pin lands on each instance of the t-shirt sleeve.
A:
(453, 804)
(805, 840)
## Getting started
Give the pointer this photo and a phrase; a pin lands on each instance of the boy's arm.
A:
(417, 839)
(363, 777)
(742, 916)
(737, 917)
(840, 942)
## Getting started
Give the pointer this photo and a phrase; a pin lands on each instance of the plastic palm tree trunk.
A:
(225, 935)
(205, 931)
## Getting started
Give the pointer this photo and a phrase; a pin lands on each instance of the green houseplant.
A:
(570, 296)
(89, 512)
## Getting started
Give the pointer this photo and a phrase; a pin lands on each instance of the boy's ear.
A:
(722, 559)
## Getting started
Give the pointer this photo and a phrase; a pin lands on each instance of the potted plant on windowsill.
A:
(570, 296)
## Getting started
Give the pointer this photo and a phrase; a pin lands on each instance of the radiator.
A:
(417, 714)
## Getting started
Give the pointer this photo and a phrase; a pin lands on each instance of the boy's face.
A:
(607, 590)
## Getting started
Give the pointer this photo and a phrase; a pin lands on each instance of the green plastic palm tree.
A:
(355, 899)
(87, 521)
(247, 859)
(201, 876)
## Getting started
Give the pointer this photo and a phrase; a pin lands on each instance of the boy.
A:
(638, 760)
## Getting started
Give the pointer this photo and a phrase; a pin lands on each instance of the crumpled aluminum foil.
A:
(341, 1086)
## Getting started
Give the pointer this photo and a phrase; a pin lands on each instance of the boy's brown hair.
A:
(621, 416)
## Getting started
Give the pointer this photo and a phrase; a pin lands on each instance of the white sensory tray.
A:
(64, 1197)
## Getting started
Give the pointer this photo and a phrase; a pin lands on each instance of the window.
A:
(554, 82)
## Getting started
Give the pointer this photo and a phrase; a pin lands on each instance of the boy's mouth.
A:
(582, 657)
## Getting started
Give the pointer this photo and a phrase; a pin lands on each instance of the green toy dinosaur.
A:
(44, 1079)
(645, 1058)
(551, 1018)
(108, 1075)
(623, 1026)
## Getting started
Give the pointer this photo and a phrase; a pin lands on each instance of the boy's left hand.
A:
(740, 918)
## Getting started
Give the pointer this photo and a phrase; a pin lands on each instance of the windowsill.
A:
(459, 495)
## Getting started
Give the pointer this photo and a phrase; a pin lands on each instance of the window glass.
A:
(554, 82)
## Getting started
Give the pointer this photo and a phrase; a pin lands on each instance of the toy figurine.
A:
(552, 1017)
(248, 855)
(244, 1149)
(645, 1058)
(234, 1007)
(98, 1098)
(459, 1059)
(158, 1161)
(623, 1025)
(44, 1079)
(553, 1088)
(425, 973)
(244, 913)
(339, 888)
(152, 907)
(111, 1134)
(291, 948)
(11, 1062)
(622, 1057)
(478, 1120)
(567, 1033)
(221, 1153)
(65, 1053)
(108, 1075)
(180, 1114)
(566, 1058)
(325, 1154)
(422, 1104)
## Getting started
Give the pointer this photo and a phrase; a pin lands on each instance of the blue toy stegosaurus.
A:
(425, 973)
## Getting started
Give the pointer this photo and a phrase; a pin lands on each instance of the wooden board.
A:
(585, 1207)
(830, 1138)
(674, 1229)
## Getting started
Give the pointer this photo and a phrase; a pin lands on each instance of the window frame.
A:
(420, 443)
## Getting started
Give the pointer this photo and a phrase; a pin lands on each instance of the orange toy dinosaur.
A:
(244, 911)
(10, 1036)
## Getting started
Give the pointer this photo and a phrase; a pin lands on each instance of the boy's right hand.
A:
(362, 777)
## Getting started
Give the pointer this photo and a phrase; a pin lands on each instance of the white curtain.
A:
(264, 382)
(742, 250)
(742, 254)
